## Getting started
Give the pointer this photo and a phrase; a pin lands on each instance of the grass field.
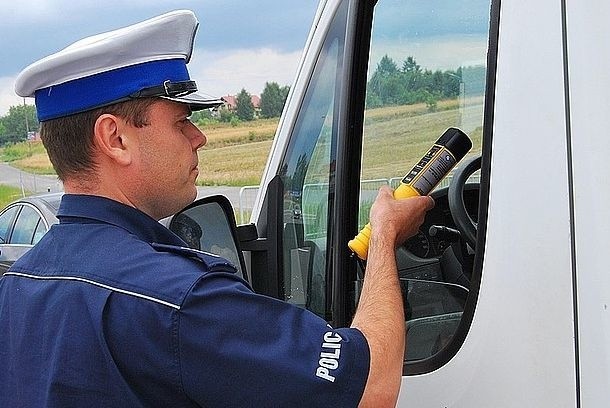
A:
(28, 156)
(236, 155)
(394, 143)
(8, 194)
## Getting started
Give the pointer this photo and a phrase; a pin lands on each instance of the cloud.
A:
(216, 73)
(8, 97)
(18, 12)
(242, 51)
(441, 52)
(227, 72)
(55, 12)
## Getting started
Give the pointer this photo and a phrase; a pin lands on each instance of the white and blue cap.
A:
(147, 59)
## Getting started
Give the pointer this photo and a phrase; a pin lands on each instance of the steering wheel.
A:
(455, 195)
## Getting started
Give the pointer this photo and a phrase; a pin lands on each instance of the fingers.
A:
(414, 213)
(398, 219)
(430, 204)
(385, 191)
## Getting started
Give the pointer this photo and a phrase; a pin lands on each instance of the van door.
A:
(380, 83)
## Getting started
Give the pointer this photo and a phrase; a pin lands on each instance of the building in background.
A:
(231, 103)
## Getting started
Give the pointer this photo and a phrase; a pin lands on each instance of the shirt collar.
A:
(76, 208)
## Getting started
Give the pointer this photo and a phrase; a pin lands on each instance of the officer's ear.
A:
(111, 139)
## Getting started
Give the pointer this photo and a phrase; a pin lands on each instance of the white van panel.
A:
(589, 72)
(519, 351)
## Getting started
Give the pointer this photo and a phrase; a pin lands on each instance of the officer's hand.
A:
(399, 219)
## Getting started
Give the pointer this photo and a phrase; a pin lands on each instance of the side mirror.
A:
(208, 224)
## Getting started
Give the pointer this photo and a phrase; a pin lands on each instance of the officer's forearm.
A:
(380, 317)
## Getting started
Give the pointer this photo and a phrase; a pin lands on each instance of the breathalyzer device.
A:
(449, 149)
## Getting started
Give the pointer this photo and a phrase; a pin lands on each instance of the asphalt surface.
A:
(241, 198)
(31, 183)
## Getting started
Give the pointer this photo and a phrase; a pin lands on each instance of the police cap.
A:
(147, 59)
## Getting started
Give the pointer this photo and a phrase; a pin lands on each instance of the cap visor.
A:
(196, 101)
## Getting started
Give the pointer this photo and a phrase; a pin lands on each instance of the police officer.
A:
(108, 311)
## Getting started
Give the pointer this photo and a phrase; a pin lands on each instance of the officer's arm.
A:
(380, 314)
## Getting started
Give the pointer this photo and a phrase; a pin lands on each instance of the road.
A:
(32, 183)
(38, 184)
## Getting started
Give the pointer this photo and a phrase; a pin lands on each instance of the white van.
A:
(508, 305)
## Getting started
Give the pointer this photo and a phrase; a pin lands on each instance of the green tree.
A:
(17, 122)
(226, 116)
(410, 65)
(245, 109)
(387, 66)
(387, 83)
(412, 84)
(200, 115)
(203, 118)
(273, 99)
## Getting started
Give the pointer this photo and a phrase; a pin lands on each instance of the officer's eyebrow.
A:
(186, 111)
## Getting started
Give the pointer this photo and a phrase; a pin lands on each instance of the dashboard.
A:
(423, 244)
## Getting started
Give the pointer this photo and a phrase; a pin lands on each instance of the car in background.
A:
(23, 223)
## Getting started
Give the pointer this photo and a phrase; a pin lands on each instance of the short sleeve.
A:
(237, 348)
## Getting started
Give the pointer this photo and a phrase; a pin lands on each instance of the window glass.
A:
(25, 226)
(306, 172)
(427, 72)
(40, 230)
(6, 221)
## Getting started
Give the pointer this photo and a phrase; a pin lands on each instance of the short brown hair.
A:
(69, 140)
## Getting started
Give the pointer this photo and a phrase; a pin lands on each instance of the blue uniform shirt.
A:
(109, 311)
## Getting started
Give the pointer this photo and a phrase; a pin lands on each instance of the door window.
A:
(26, 225)
(427, 72)
(6, 222)
(307, 172)
(40, 230)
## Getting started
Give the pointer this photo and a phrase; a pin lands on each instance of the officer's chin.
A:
(181, 201)
(189, 199)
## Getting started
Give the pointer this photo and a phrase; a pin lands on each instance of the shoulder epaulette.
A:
(213, 263)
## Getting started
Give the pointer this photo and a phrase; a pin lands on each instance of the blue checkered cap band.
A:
(114, 66)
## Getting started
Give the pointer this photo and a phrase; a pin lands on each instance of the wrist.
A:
(385, 237)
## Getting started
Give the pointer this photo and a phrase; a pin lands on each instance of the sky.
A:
(239, 43)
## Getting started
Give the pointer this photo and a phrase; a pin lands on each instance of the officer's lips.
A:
(195, 169)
